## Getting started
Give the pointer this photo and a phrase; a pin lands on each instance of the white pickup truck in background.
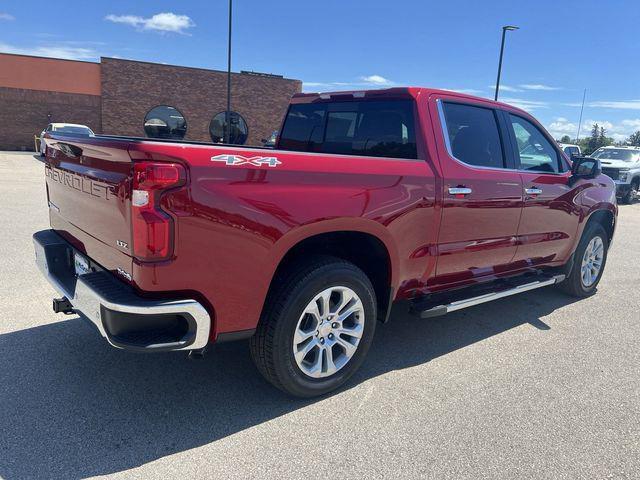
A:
(622, 164)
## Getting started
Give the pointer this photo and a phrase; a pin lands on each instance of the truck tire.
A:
(589, 261)
(316, 327)
(631, 194)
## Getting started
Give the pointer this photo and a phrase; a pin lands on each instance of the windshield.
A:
(616, 154)
(75, 130)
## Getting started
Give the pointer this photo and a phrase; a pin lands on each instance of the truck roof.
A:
(393, 92)
(620, 147)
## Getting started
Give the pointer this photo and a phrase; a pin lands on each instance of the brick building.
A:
(120, 97)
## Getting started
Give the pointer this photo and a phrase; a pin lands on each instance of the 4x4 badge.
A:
(234, 160)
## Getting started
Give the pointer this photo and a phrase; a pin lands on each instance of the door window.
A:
(535, 152)
(473, 135)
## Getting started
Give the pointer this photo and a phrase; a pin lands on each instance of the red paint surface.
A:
(234, 224)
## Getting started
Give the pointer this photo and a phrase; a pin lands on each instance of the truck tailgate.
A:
(89, 193)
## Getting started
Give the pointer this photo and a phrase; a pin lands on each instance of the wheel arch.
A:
(605, 216)
(358, 241)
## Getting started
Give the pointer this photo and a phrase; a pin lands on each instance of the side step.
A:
(443, 309)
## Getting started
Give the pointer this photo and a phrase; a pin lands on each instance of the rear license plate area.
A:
(81, 264)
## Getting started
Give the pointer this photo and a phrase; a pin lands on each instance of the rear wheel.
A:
(589, 261)
(316, 328)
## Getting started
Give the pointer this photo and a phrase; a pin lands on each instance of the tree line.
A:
(599, 138)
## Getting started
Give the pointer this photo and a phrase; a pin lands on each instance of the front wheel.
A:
(589, 261)
(317, 327)
(631, 194)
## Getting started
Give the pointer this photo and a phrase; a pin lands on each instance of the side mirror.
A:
(586, 167)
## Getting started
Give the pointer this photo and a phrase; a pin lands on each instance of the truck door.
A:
(549, 220)
(482, 192)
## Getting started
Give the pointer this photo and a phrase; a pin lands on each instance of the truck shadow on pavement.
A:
(73, 407)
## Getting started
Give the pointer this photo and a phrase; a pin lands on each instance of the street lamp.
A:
(504, 33)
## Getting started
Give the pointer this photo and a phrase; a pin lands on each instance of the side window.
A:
(303, 127)
(473, 135)
(535, 152)
(371, 128)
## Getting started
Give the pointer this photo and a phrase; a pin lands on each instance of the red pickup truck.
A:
(434, 198)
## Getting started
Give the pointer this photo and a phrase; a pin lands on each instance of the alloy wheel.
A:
(328, 332)
(592, 261)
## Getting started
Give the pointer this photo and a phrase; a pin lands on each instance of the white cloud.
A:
(6, 16)
(622, 105)
(619, 131)
(52, 51)
(363, 82)
(376, 80)
(528, 105)
(538, 86)
(160, 22)
(613, 104)
(506, 88)
(562, 126)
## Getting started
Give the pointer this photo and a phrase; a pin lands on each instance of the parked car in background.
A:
(271, 141)
(437, 199)
(622, 164)
(67, 129)
(570, 150)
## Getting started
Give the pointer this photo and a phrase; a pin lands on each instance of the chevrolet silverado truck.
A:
(435, 199)
(622, 164)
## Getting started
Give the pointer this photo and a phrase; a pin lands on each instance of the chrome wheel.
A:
(328, 332)
(592, 261)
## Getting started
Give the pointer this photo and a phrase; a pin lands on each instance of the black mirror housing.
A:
(585, 167)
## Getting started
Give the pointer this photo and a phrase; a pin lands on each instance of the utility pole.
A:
(584, 95)
(504, 34)
(227, 115)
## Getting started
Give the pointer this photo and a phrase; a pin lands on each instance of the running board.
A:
(488, 297)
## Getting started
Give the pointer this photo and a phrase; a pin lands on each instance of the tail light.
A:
(152, 227)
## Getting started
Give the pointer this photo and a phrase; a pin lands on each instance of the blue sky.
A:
(561, 48)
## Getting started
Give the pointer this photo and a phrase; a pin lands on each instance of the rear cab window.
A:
(368, 128)
(473, 135)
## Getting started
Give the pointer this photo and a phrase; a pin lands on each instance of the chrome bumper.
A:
(100, 297)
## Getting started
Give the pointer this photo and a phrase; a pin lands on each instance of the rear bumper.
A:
(124, 318)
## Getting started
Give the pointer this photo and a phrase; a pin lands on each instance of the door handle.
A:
(459, 191)
(533, 191)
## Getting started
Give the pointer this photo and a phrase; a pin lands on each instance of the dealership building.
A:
(125, 97)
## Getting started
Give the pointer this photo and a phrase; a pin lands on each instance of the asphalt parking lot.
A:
(533, 386)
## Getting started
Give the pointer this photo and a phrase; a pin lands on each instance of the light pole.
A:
(504, 34)
(584, 95)
(227, 115)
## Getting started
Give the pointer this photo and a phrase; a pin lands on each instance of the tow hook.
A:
(196, 354)
(62, 305)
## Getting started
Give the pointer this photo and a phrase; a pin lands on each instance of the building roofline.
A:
(48, 58)
(276, 77)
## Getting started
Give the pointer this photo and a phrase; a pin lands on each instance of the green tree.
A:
(634, 139)
(593, 142)
(566, 139)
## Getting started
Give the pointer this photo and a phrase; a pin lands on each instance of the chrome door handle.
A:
(533, 191)
(459, 191)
